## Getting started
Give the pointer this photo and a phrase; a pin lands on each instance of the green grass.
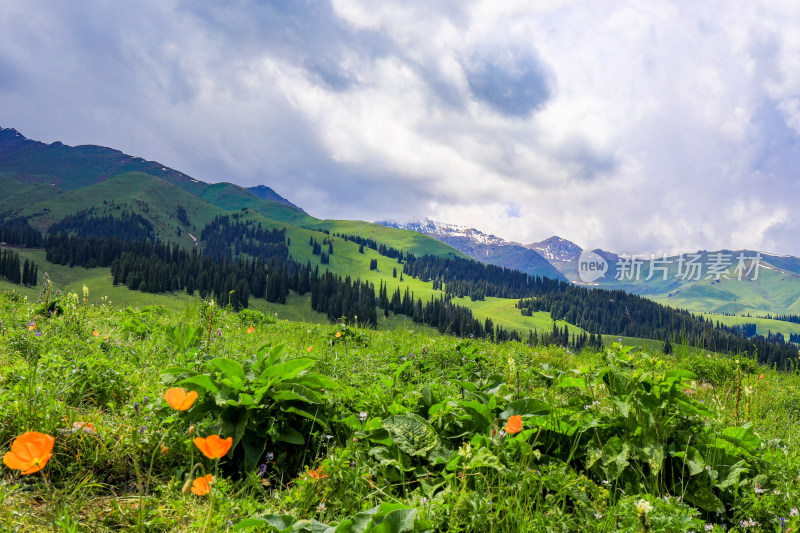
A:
(763, 325)
(128, 476)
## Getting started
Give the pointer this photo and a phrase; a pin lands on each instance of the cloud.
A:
(667, 126)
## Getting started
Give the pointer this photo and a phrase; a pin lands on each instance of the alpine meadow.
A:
(340, 266)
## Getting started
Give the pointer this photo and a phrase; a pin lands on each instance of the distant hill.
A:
(486, 248)
(266, 193)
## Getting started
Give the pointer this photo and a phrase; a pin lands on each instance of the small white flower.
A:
(709, 527)
(598, 515)
(362, 416)
(793, 512)
(643, 507)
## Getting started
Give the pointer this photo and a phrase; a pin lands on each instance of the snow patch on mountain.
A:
(442, 229)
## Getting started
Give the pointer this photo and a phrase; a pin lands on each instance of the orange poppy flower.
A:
(338, 334)
(761, 376)
(309, 348)
(213, 446)
(96, 333)
(251, 329)
(179, 399)
(30, 452)
(32, 326)
(202, 485)
(514, 424)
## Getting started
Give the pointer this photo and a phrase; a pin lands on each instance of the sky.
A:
(658, 126)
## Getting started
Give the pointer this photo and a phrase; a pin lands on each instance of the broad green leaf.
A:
(228, 367)
(742, 438)
(703, 497)
(296, 392)
(254, 447)
(572, 381)
(304, 414)
(287, 369)
(692, 458)
(290, 435)
(412, 433)
(315, 380)
(653, 451)
(201, 381)
(526, 406)
(397, 521)
(479, 411)
(234, 420)
(679, 374)
(730, 475)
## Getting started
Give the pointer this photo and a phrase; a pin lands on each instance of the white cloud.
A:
(624, 125)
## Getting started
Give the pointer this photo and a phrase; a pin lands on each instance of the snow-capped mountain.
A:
(441, 229)
(556, 250)
(482, 246)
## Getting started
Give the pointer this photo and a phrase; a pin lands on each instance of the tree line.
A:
(14, 270)
(127, 226)
(15, 231)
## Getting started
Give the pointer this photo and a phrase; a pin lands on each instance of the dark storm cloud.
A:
(513, 82)
(453, 109)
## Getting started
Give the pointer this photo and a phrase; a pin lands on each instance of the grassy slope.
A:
(763, 325)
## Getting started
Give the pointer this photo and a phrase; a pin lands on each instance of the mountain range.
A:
(43, 183)
(773, 287)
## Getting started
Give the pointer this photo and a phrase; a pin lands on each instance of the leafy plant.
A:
(264, 400)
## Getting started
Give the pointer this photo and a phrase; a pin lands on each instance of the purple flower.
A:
(146, 399)
(141, 429)
(38, 333)
(262, 470)
(136, 407)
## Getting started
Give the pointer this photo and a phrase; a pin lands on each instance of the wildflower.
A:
(643, 507)
(136, 407)
(309, 348)
(32, 326)
(213, 446)
(757, 489)
(262, 470)
(793, 511)
(202, 485)
(146, 398)
(179, 399)
(270, 456)
(251, 329)
(362, 416)
(598, 516)
(219, 332)
(338, 334)
(38, 333)
(191, 431)
(317, 474)
(96, 333)
(761, 376)
(86, 427)
(709, 527)
(141, 429)
(321, 507)
(514, 424)
(164, 450)
(30, 452)
(353, 463)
